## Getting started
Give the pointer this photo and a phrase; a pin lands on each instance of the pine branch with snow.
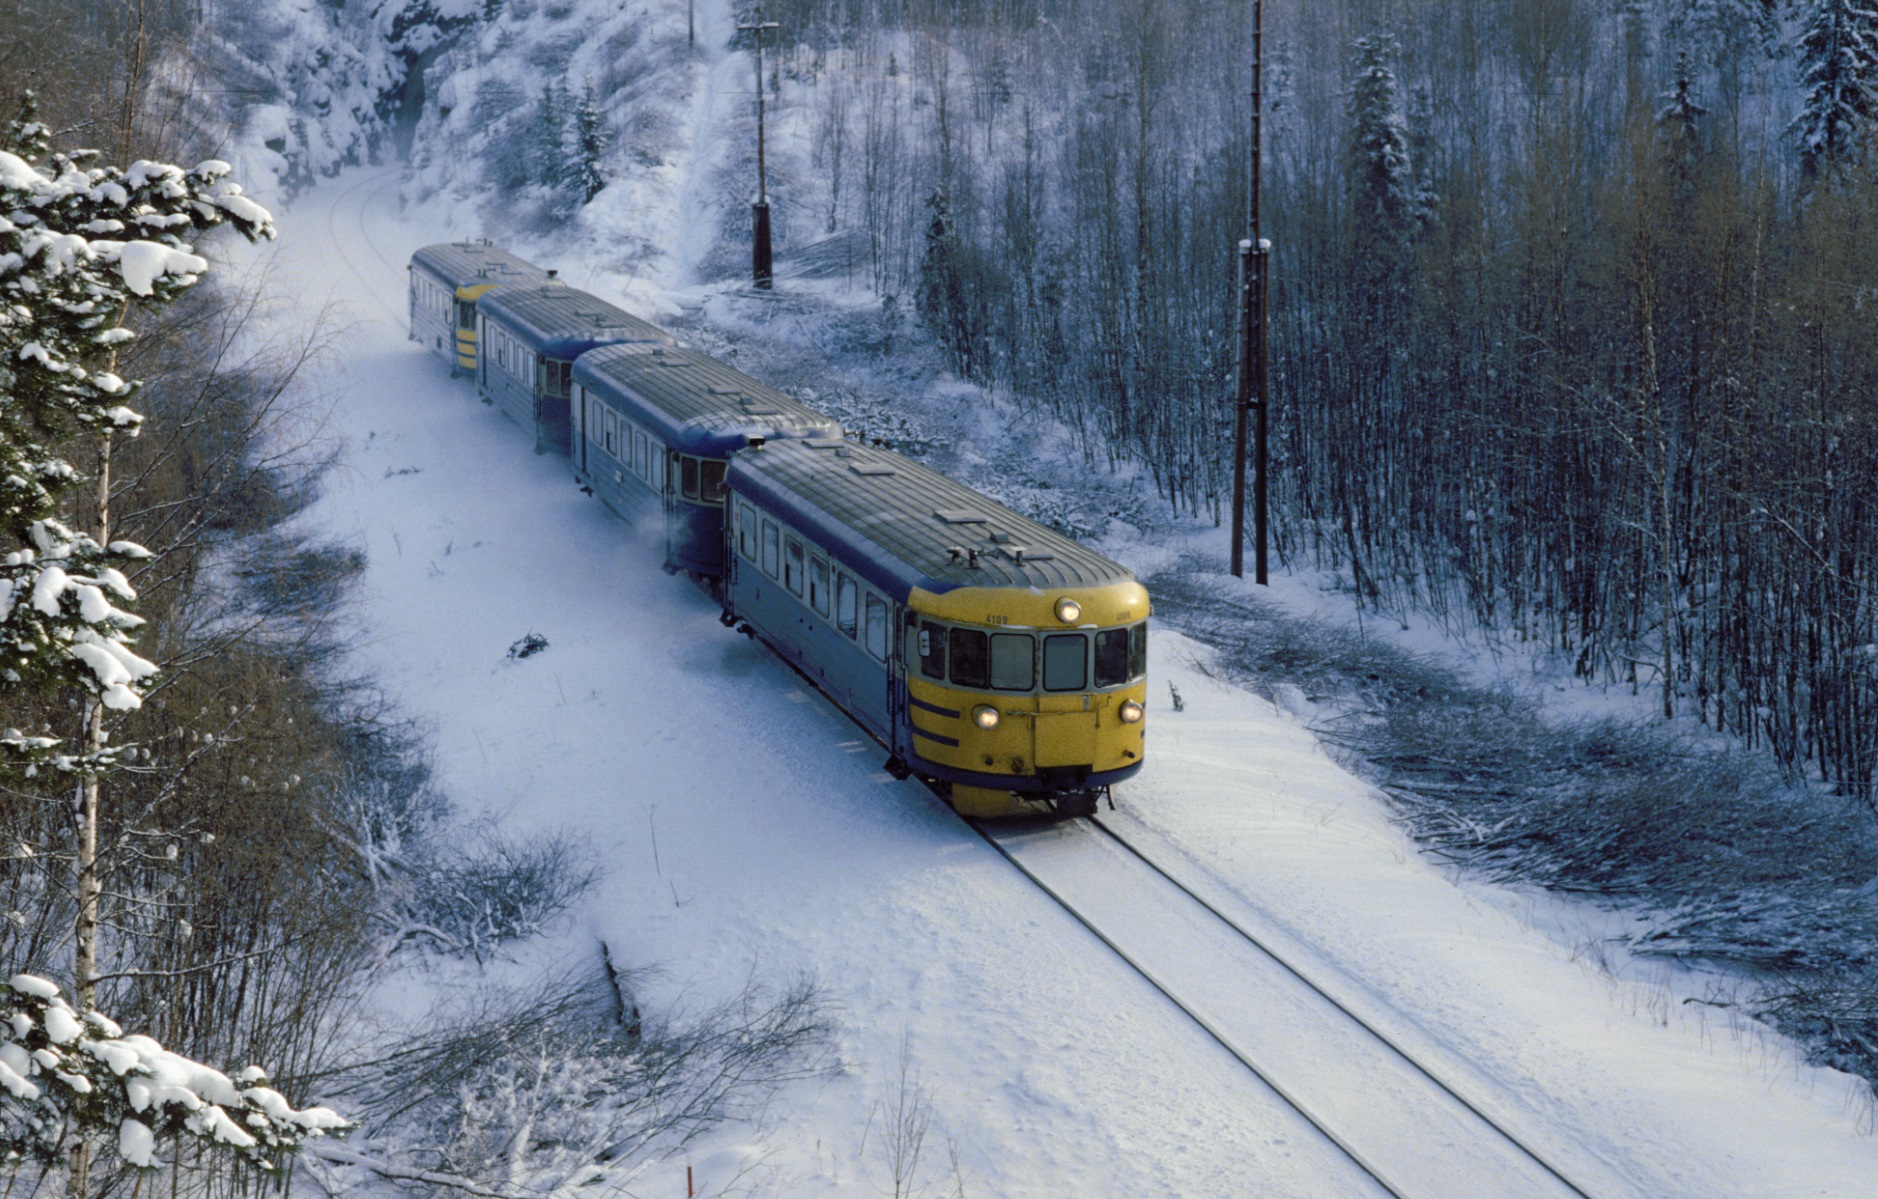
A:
(81, 246)
(65, 1075)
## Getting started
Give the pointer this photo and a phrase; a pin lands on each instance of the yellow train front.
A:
(990, 655)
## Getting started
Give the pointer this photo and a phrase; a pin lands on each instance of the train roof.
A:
(902, 525)
(563, 322)
(693, 402)
(476, 263)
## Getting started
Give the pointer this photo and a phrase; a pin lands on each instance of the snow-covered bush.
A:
(547, 1088)
(64, 1075)
(500, 887)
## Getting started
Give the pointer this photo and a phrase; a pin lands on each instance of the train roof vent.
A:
(961, 516)
(999, 536)
(871, 469)
(1023, 553)
(823, 443)
(725, 391)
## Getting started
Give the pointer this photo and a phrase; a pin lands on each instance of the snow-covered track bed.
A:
(1416, 1135)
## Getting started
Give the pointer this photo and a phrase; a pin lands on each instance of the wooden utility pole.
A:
(1255, 335)
(760, 262)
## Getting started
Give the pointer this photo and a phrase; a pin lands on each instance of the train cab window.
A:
(1111, 657)
(1013, 661)
(711, 480)
(688, 484)
(971, 658)
(792, 566)
(877, 627)
(932, 651)
(1065, 662)
(746, 531)
(818, 586)
(847, 603)
(1138, 651)
(772, 549)
(465, 315)
(552, 377)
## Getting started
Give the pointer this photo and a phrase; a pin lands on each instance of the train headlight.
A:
(1068, 611)
(985, 716)
(1131, 712)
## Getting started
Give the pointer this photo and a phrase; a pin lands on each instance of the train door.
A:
(669, 502)
(577, 428)
(482, 359)
(901, 739)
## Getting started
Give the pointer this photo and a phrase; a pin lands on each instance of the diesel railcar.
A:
(994, 657)
(530, 337)
(660, 421)
(446, 281)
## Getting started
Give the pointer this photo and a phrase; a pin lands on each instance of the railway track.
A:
(1397, 1121)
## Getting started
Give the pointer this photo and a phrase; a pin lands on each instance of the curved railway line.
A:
(1398, 1122)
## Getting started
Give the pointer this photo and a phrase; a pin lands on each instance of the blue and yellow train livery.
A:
(660, 421)
(530, 337)
(446, 281)
(995, 657)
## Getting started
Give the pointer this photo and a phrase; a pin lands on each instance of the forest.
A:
(1571, 300)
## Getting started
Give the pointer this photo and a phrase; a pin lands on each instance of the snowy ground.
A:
(782, 847)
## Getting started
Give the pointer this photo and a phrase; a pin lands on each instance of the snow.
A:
(781, 846)
(142, 263)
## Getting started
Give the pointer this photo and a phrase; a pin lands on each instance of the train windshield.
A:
(1012, 662)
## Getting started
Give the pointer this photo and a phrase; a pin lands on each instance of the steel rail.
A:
(1349, 1151)
(1381, 1038)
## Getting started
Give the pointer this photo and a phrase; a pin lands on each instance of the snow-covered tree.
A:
(1382, 177)
(64, 1075)
(591, 144)
(1839, 77)
(550, 137)
(1678, 122)
(80, 247)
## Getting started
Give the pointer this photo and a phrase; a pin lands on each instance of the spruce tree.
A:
(590, 145)
(550, 138)
(1382, 177)
(1839, 79)
(1678, 124)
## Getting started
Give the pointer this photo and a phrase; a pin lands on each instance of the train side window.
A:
(611, 425)
(772, 550)
(642, 458)
(1013, 661)
(932, 651)
(971, 658)
(818, 586)
(1111, 657)
(846, 605)
(711, 481)
(746, 531)
(1065, 662)
(688, 483)
(1138, 651)
(877, 627)
(792, 566)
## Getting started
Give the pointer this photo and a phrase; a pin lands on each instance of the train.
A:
(993, 658)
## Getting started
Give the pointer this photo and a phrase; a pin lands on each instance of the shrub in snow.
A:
(63, 1075)
(564, 1084)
